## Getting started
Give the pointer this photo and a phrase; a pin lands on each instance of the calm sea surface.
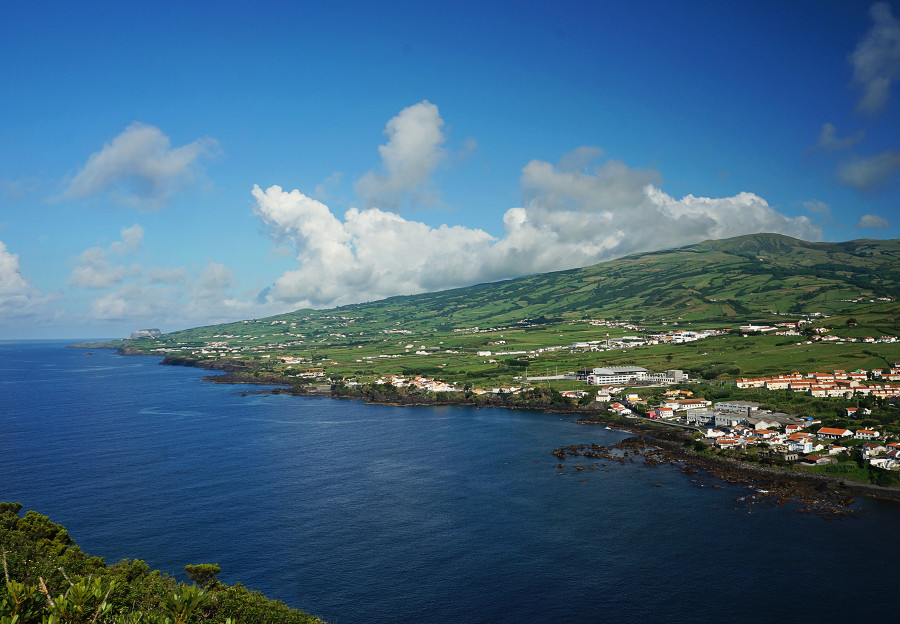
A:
(364, 513)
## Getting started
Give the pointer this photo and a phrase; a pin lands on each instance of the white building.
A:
(613, 375)
(619, 375)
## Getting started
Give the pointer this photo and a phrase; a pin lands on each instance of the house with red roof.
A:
(831, 433)
(662, 412)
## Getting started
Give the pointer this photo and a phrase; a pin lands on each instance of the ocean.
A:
(376, 514)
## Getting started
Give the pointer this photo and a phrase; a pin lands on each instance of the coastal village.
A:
(283, 343)
(743, 426)
(876, 383)
(737, 425)
(731, 426)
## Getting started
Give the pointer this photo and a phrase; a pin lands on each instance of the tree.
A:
(204, 574)
(49, 579)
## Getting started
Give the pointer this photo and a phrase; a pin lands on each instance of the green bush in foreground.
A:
(49, 580)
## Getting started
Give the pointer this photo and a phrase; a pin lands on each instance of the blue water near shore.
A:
(365, 513)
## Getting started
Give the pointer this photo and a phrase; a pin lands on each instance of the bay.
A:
(368, 513)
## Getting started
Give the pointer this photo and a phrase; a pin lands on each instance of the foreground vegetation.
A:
(49, 580)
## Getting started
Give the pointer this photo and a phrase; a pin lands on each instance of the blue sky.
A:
(180, 164)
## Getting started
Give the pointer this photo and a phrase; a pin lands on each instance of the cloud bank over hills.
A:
(247, 171)
(573, 214)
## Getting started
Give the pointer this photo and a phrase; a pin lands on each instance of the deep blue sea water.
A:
(366, 513)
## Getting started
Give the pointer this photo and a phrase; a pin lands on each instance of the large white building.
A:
(613, 375)
(625, 375)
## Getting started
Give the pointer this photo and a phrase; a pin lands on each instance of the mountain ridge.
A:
(784, 258)
(754, 276)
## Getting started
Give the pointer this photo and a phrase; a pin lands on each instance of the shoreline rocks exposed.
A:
(813, 491)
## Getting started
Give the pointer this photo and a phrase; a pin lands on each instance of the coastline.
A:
(829, 494)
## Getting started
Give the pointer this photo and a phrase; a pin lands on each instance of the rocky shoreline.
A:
(812, 492)
(797, 483)
(827, 495)
(234, 375)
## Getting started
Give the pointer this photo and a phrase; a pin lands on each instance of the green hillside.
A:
(754, 276)
(852, 287)
(749, 306)
(751, 275)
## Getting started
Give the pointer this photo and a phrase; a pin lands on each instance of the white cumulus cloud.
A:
(155, 295)
(829, 141)
(140, 168)
(214, 281)
(94, 270)
(18, 296)
(579, 217)
(132, 238)
(817, 207)
(876, 60)
(873, 222)
(370, 254)
(175, 298)
(870, 174)
(409, 158)
(572, 215)
(137, 302)
(159, 275)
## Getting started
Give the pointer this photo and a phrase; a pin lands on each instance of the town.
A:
(528, 357)
(742, 426)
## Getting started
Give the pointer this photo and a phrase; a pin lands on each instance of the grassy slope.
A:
(737, 279)
(754, 275)
(716, 283)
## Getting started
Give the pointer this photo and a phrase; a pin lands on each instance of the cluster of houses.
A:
(820, 334)
(435, 385)
(866, 339)
(781, 329)
(627, 342)
(739, 424)
(809, 443)
(422, 383)
(876, 382)
(502, 390)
